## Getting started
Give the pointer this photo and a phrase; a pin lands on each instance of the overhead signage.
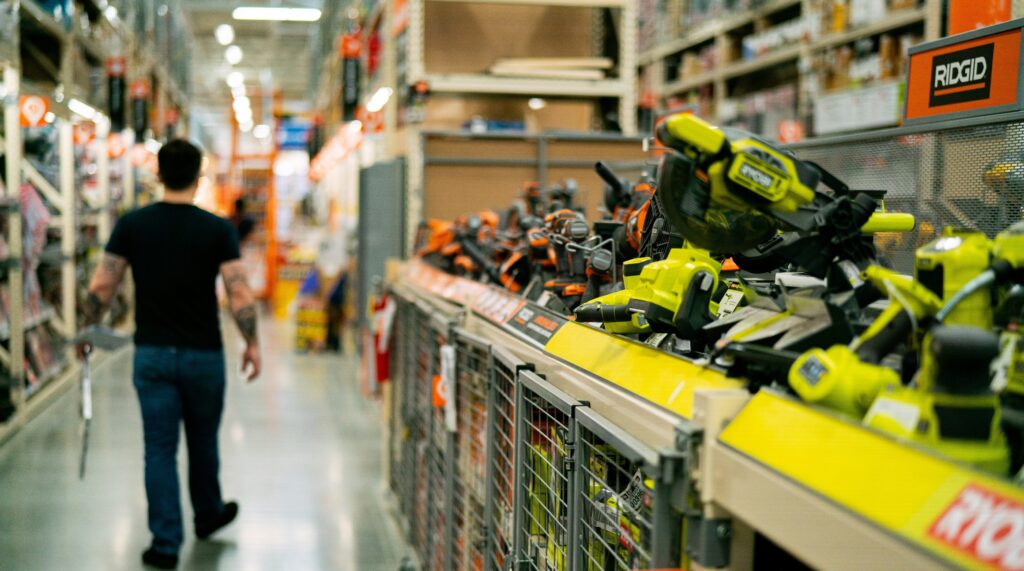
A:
(970, 74)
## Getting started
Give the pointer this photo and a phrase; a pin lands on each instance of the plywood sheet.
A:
(470, 38)
(451, 191)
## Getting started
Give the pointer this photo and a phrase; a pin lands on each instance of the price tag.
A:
(448, 386)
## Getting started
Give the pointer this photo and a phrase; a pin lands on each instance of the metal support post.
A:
(542, 161)
(13, 151)
(666, 520)
(577, 543)
(66, 148)
(128, 178)
(627, 67)
(103, 177)
(449, 495)
(518, 494)
(490, 453)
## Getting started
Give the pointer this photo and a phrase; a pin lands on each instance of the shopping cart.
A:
(92, 338)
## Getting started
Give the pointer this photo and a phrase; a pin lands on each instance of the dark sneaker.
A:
(159, 560)
(205, 530)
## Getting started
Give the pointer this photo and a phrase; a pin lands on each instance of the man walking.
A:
(176, 251)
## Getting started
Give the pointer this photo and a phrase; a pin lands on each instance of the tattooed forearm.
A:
(246, 319)
(93, 309)
(113, 265)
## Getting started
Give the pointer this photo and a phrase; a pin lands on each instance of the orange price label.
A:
(32, 110)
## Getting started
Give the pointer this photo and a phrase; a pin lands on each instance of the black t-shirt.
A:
(175, 252)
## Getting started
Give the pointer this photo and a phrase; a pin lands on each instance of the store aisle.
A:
(301, 451)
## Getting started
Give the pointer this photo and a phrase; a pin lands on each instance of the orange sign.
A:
(440, 393)
(116, 146)
(32, 110)
(139, 89)
(967, 15)
(84, 132)
(971, 74)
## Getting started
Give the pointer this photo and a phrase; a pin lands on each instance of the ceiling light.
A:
(233, 54)
(276, 14)
(236, 78)
(225, 34)
(240, 103)
(536, 103)
(49, 117)
(244, 116)
(110, 12)
(245, 127)
(82, 109)
(379, 99)
(238, 91)
(261, 131)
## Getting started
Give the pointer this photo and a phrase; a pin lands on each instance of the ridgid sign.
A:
(975, 73)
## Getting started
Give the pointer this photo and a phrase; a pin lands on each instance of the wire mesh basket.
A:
(472, 360)
(969, 176)
(544, 463)
(501, 456)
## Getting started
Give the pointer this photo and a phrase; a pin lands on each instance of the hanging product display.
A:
(116, 70)
(140, 106)
(351, 74)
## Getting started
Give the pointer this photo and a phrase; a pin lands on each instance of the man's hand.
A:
(251, 362)
(246, 314)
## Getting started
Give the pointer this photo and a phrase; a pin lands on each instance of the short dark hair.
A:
(180, 162)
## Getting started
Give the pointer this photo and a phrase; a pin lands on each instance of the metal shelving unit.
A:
(723, 32)
(623, 87)
(61, 193)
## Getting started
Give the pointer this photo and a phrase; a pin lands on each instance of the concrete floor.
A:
(301, 452)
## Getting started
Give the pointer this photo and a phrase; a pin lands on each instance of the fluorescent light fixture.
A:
(233, 55)
(276, 14)
(225, 34)
(536, 103)
(152, 145)
(379, 99)
(236, 78)
(82, 109)
(261, 131)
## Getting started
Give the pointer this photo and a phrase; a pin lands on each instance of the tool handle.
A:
(889, 336)
(609, 177)
(603, 313)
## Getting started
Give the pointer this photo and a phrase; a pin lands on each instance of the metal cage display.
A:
(501, 450)
(543, 475)
(472, 359)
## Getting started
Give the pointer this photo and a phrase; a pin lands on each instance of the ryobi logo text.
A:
(987, 527)
(961, 76)
(756, 175)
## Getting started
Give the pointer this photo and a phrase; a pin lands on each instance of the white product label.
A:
(448, 381)
(906, 415)
(730, 301)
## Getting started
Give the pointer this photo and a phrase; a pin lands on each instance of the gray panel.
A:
(381, 224)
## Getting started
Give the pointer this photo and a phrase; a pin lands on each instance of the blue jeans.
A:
(178, 385)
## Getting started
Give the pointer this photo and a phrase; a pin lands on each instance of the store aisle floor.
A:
(301, 451)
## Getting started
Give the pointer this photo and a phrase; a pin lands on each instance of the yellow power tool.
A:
(670, 295)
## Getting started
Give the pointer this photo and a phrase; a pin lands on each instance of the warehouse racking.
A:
(70, 192)
(712, 58)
